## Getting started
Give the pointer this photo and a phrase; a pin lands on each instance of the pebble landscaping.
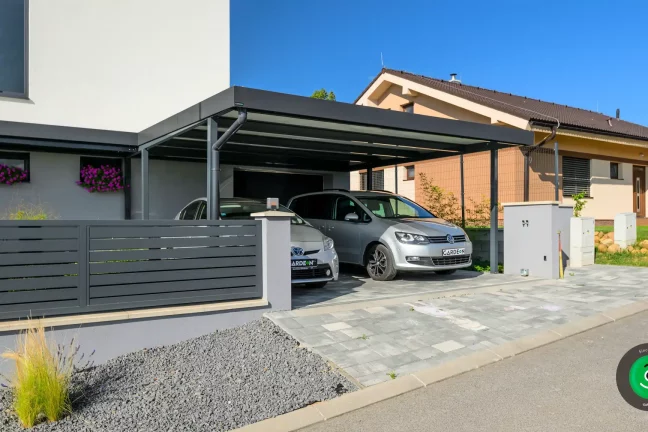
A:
(216, 382)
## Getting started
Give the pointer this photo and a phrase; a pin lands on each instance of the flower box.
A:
(104, 178)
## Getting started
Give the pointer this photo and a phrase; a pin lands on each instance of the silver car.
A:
(314, 261)
(385, 232)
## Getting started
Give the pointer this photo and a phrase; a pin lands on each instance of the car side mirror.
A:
(351, 217)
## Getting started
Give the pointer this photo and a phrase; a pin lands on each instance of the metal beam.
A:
(170, 135)
(211, 139)
(463, 195)
(556, 173)
(345, 135)
(128, 196)
(145, 184)
(494, 228)
(305, 144)
(369, 179)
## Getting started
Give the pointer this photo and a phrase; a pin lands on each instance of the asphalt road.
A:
(566, 386)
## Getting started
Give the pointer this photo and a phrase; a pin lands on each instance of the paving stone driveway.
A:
(355, 286)
(369, 342)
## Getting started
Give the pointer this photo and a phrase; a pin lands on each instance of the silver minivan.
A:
(384, 232)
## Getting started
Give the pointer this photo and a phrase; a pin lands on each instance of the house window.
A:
(614, 170)
(408, 108)
(576, 176)
(97, 162)
(409, 172)
(378, 180)
(13, 48)
(18, 160)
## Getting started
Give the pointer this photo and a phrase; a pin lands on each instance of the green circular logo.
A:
(638, 377)
(632, 377)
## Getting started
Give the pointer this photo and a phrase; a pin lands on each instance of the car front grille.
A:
(444, 239)
(315, 273)
(451, 260)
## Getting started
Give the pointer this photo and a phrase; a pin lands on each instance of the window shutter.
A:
(576, 176)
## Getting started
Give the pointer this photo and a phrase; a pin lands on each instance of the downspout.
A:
(527, 157)
(214, 199)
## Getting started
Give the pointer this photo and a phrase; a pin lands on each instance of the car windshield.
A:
(243, 210)
(394, 207)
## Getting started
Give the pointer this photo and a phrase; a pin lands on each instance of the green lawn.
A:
(623, 258)
(642, 231)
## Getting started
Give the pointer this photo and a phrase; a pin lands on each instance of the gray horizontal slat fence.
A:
(70, 267)
(39, 267)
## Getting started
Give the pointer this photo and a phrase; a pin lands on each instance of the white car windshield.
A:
(243, 210)
(394, 207)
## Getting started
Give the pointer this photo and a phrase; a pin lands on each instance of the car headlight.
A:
(408, 238)
(328, 243)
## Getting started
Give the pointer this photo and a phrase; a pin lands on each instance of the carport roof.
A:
(288, 131)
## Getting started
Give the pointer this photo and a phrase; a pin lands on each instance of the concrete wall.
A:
(121, 64)
(480, 239)
(52, 187)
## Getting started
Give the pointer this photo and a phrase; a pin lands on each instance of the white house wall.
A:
(121, 64)
(52, 188)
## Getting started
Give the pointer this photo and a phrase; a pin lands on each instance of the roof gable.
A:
(527, 108)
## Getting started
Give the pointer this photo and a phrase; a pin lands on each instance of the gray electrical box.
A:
(531, 238)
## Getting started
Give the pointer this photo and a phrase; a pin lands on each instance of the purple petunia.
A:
(102, 179)
(10, 175)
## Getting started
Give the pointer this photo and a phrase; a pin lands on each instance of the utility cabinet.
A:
(531, 238)
(625, 229)
(581, 242)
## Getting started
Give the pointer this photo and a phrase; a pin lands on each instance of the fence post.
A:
(84, 265)
(494, 225)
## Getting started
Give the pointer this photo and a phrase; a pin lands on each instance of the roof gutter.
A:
(240, 121)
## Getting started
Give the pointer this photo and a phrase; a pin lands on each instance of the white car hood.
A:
(309, 239)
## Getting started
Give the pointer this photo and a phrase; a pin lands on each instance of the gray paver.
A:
(402, 340)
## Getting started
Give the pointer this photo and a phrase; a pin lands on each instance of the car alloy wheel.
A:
(377, 263)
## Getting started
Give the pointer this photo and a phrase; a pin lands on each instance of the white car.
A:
(314, 261)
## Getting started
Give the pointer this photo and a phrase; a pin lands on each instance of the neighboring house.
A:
(77, 77)
(604, 157)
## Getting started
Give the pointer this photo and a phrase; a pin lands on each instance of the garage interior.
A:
(292, 138)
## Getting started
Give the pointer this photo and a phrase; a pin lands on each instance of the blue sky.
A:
(577, 53)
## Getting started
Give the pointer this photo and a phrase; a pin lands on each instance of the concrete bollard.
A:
(625, 229)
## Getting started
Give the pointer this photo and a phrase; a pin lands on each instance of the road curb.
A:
(322, 411)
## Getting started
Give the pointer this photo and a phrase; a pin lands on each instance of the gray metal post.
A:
(526, 174)
(213, 200)
(211, 139)
(463, 194)
(556, 172)
(494, 243)
(396, 180)
(369, 178)
(145, 184)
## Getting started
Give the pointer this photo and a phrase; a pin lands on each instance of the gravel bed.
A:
(216, 382)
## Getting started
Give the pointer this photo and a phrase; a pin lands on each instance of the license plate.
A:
(451, 252)
(300, 264)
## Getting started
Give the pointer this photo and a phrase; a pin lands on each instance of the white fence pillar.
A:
(276, 258)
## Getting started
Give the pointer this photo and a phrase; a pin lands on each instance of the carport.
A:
(260, 128)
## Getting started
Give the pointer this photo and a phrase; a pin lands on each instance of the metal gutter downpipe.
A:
(527, 156)
(214, 198)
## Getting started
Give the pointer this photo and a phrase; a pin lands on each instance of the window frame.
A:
(408, 107)
(577, 187)
(407, 176)
(618, 171)
(25, 93)
(24, 156)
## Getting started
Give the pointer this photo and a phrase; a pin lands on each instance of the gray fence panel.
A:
(67, 267)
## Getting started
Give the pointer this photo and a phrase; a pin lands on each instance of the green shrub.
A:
(478, 213)
(579, 203)
(484, 267)
(41, 381)
(440, 202)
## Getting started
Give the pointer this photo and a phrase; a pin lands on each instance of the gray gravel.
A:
(216, 382)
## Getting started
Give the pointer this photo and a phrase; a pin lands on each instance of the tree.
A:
(323, 94)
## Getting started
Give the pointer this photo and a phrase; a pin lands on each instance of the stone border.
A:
(130, 314)
(322, 411)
